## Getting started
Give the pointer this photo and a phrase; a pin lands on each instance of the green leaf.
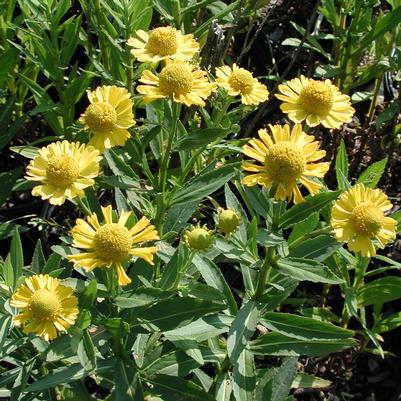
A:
(318, 248)
(7, 180)
(304, 227)
(199, 138)
(371, 176)
(303, 380)
(88, 296)
(224, 387)
(16, 256)
(242, 329)
(244, 379)
(86, 352)
(304, 328)
(38, 259)
(307, 270)
(172, 313)
(379, 291)
(205, 183)
(127, 384)
(175, 388)
(342, 167)
(142, 296)
(5, 324)
(280, 345)
(214, 278)
(303, 210)
(389, 323)
(283, 379)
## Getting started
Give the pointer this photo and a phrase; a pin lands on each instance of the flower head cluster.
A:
(112, 243)
(64, 170)
(287, 158)
(47, 307)
(357, 218)
(199, 238)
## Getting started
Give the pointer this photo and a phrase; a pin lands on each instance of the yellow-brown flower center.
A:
(367, 219)
(316, 98)
(100, 117)
(176, 79)
(285, 162)
(44, 304)
(62, 170)
(163, 41)
(199, 238)
(241, 80)
(112, 242)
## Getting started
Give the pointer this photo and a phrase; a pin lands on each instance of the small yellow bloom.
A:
(287, 158)
(182, 82)
(238, 81)
(199, 238)
(357, 217)
(108, 117)
(111, 244)
(163, 43)
(64, 170)
(316, 102)
(47, 306)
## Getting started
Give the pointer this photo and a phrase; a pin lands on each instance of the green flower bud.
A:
(228, 221)
(199, 238)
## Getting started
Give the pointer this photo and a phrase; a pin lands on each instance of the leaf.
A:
(371, 176)
(307, 270)
(178, 215)
(244, 379)
(318, 248)
(175, 388)
(86, 352)
(7, 180)
(283, 379)
(199, 138)
(304, 227)
(280, 345)
(127, 384)
(169, 314)
(88, 296)
(342, 167)
(214, 278)
(242, 329)
(389, 323)
(303, 380)
(379, 291)
(38, 259)
(224, 387)
(304, 328)
(142, 296)
(16, 256)
(205, 183)
(5, 324)
(303, 210)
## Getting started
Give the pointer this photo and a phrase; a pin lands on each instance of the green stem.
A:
(84, 208)
(101, 36)
(373, 102)
(264, 273)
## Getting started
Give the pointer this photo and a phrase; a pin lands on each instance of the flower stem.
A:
(83, 207)
(264, 273)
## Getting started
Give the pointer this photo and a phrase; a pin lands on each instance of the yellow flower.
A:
(163, 43)
(238, 81)
(182, 82)
(287, 159)
(316, 102)
(357, 217)
(199, 238)
(64, 170)
(108, 117)
(47, 307)
(111, 244)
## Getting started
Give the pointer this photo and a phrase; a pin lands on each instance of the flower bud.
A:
(199, 238)
(228, 221)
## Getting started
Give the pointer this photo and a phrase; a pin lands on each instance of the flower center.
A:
(44, 304)
(367, 219)
(62, 171)
(316, 97)
(112, 242)
(285, 162)
(100, 117)
(241, 80)
(176, 79)
(199, 238)
(163, 41)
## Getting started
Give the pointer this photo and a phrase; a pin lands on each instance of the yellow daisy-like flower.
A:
(287, 158)
(111, 244)
(108, 117)
(238, 81)
(163, 43)
(47, 307)
(316, 102)
(182, 82)
(357, 217)
(64, 169)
